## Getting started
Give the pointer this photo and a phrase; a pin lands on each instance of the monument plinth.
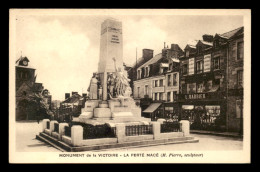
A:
(114, 103)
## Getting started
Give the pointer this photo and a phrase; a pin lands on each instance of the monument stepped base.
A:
(145, 143)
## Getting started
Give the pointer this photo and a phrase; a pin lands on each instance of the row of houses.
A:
(202, 83)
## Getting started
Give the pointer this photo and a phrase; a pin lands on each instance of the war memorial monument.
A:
(111, 104)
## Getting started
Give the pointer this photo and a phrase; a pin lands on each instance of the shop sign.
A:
(195, 96)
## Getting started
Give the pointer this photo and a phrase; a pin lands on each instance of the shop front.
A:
(205, 111)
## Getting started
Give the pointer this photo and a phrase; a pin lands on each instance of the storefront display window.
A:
(200, 88)
(191, 88)
(212, 112)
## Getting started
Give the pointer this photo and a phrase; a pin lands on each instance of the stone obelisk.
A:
(111, 46)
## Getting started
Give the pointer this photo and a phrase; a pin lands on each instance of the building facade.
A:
(205, 82)
(28, 92)
(157, 83)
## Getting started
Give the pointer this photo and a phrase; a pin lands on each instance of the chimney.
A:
(207, 38)
(164, 45)
(84, 94)
(175, 47)
(147, 54)
(67, 95)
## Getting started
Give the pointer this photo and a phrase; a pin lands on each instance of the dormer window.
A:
(187, 53)
(199, 49)
(216, 44)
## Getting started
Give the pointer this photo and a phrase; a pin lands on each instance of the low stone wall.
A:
(76, 138)
(56, 135)
(99, 141)
(138, 138)
(66, 139)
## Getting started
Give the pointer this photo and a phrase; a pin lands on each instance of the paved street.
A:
(26, 142)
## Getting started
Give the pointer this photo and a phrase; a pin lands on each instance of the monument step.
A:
(143, 143)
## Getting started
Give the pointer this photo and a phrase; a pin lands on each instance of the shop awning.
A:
(152, 107)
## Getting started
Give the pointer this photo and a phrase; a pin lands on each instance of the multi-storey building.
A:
(157, 83)
(205, 78)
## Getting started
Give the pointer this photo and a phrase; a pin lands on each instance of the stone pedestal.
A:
(185, 127)
(120, 132)
(52, 125)
(76, 135)
(156, 130)
(44, 124)
(102, 113)
(62, 129)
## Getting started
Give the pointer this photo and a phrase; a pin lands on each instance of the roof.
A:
(206, 43)
(152, 107)
(73, 99)
(231, 33)
(21, 59)
(152, 60)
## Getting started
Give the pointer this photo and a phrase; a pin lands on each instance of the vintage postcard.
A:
(129, 86)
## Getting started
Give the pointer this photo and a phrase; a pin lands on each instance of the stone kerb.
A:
(76, 135)
(62, 129)
(120, 132)
(44, 124)
(52, 126)
(185, 127)
(156, 130)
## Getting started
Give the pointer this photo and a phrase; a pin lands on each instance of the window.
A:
(160, 96)
(175, 79)
(216, 44)
(240, 78)
(156, 83)
(216, 63)
(199, 66)
(184, 88)
(187, 53)
(174, 96)
(143, 72)
(161, 82)
(208, 85)
(191, 88)
(200, 88)
(146, 72)
(199, 49)
(170, 66)
(138, 91)
(169, 80)
(168, 96)
(239, 108)
(185, 69)
(138, 74)
(155, 96)
(146, 90)
(240, 50)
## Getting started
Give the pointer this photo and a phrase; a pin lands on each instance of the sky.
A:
(64, 50)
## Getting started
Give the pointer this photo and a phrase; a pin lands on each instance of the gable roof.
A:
(23, 59)
(152, 60)
(231, 33)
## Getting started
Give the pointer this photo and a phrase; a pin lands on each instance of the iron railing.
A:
(133, 130)
(68, 131)
(56, 127)
(98, 131)
(167, 127)
(48, 124)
